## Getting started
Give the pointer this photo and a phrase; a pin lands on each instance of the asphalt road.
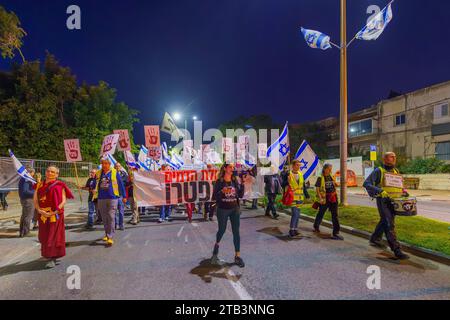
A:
(437, 210)
(170, 261)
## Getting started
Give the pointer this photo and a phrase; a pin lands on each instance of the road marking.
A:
(237, 286)
(126, 236)
(179, 232)
(146, 243)
(195, 224)
(129, 245)
(186, 239)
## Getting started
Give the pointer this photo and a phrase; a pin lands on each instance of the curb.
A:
(415, 250)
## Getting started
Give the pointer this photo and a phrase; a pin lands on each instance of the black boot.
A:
(400, 255)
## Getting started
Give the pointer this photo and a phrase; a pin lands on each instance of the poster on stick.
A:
(152, 138)
(124, 140)
(72, 149)
(109, 144)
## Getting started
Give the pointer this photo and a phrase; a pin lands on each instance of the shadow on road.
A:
(276, 232)
(206, 271)
(35, 265)
(72, 244)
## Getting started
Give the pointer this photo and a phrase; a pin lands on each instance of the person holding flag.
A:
(109, 190)
(49, 200)
(26, 195)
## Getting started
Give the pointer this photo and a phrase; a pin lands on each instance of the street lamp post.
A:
(343, 105)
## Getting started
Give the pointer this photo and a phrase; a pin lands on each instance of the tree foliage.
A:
(11, 34)
(44, 105)
(424, 166)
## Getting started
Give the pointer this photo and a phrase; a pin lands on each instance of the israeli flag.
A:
(142, 159)
(278, 152)
(177, 160)
(375, 27)
(316, 39)
(21, 169)
(130, 161)
(167, 159)
(111, 159)
(308, 159)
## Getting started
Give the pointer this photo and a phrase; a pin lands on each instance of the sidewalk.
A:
(423, 195)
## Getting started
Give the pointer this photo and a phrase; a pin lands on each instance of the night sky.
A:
(238, 57)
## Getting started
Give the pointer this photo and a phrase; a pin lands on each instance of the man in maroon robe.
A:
(50, 198)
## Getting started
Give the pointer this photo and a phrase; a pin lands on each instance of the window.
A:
(443, 150)
(400, 119)
(441, 111)
(360, 128)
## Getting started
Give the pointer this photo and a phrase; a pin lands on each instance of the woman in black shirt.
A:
(227, 192)
(327, 197)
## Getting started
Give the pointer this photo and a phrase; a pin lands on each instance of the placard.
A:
(124, 140)
(152, 138)
(109, 144)
(72, 149)
(393, 180)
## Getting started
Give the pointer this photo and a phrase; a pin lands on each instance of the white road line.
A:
(194, 224)
(186, 239)
(179, 232)
(126, 236)
(129, 245)
(238, 287)
(146, 243)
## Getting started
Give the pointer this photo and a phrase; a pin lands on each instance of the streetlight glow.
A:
(176, 116)
(194, 118)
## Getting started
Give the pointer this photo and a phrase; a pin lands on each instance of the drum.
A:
(405, 206)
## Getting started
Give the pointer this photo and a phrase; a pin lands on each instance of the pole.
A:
(343, 105)
(78, 182)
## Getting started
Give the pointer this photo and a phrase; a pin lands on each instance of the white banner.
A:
(262, 150)
(156, 188)
(109, 144)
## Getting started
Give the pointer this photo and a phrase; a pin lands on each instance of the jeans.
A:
(222, 218)
(334, 216)
(92, 207)
(386, 224)
(294, 218)
(120, 213)
(271, 204)
(164, 212)
(27, 216)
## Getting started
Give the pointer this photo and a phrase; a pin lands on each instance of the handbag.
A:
(316, 205)
(288, 196)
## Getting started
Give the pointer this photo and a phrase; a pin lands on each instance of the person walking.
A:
(165, 210)
(119, 218)
(296, 182)
(26, 195)
(272, 187)
(49, 200)
(227, 192)
(135, 217)
(379, 184)
(92, 205)
(327, 199)
(3, 202)
(109, 189)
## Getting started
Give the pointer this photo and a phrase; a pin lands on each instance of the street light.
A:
(176, 116)
(194, 118)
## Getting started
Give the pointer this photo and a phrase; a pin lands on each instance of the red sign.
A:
(124, 140)
(72, 149)
(152, 136)
(109, 144)
(154, 153)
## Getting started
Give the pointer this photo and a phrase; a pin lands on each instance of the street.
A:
(170, 261)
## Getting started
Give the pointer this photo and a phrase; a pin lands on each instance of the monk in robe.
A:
(50, 197)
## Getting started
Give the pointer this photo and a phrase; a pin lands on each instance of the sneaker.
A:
(292, 233)
(122, 228)
(110, 242)
(316, 230)
(105, 238)
(239, 262)
(400, 255)
(296, 233)
(50, 264)
(276, 216)
(160, 220)
(89, 226)
(133, 223)
(337, 237)
(378, 244)
(215, 261)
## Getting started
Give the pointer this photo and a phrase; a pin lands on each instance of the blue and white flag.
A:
(130, 160)
(278, 152)
(308, 159)
(375, 27)
(316, 39)
(142, 159)
(177, 160)
(21, 169)
(167, 159)
(111, 159)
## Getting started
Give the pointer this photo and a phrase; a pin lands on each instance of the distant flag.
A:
(308, 159)
(278, 152)
(111, 159)
(178, 160)
(169, 126)
(130, 160)
(21, 169)
(375, 27)
(316, 39)
(166, 157)
(142, 159)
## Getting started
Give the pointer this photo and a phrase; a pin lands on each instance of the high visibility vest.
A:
(322, 189)
(393, 192)
(296, 186)
(115, 185)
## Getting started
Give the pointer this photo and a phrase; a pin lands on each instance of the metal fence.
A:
(66, 169)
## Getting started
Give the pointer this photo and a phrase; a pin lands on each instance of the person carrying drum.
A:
(381, 185)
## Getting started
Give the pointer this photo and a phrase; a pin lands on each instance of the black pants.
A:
(3, 202)
(209, 209)
(334, 216)
(271, 204)
(386, 224)
(222, 218)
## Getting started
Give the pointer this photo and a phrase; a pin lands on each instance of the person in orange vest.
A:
(377, 187)
(109, 190)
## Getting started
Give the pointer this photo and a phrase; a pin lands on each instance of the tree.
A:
(11, 34)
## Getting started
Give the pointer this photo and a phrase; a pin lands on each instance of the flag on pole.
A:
(21, 169)
(166, 157)
(308, 159)
(279, 150)
(375, 27)
(316, 39)
(142, 158)
(130, 161)
(169, 126)
(176, 159)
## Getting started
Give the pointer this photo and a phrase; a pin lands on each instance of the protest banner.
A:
(124, 140)
(109, 144)
(152, 138)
